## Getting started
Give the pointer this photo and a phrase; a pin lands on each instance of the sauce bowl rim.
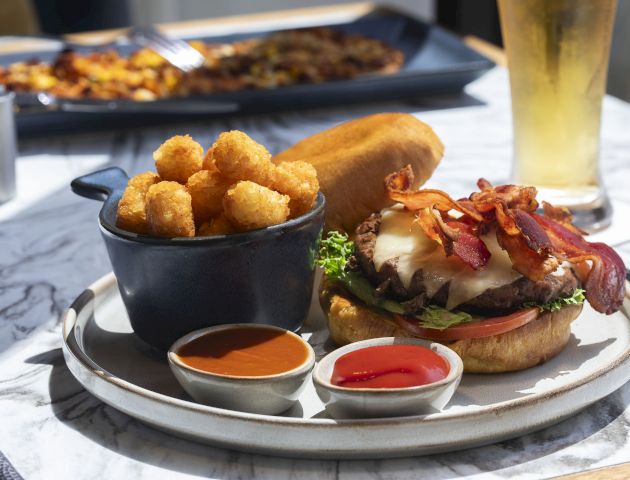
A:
(456, 366)
(302, 368)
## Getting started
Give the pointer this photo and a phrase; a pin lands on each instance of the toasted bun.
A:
(353, 158)
(536, 342)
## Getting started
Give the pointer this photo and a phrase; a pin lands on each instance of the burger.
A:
(495, 276)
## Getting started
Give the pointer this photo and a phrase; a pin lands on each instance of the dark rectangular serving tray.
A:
(436, 61)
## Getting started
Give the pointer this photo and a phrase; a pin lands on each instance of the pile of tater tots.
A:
(234, 187)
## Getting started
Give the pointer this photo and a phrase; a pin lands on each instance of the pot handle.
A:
(100, 185)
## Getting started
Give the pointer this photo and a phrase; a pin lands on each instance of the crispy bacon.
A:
(397, 185)
(467, 246)
(430, 226)
(484, 184)
(559, 215)
(400, 181)
(471, 250)
(512, 196)
(535, 236)
(605, 281)
(534, 265)
(433, 206)
(524, 240)
(562, 216)
(467, 204)
(535, 243)
(455, 237)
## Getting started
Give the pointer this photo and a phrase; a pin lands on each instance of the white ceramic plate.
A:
(104, 355)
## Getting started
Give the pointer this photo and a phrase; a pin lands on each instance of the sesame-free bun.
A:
(353, 158)
(350, 320)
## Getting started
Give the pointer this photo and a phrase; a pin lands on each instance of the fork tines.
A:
(174, 50)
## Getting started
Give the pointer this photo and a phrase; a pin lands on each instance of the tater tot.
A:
(203, 230)
(131, 215)
(206, 189)
(298, 180)
(169, 210)
(178, 158)
(238, 157)
(217, 226)
(248, 205)
(208, 162)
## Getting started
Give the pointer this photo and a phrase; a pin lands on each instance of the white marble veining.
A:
(50, 250)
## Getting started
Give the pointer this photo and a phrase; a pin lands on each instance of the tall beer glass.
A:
(558, 60)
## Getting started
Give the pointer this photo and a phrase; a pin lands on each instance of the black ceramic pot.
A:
(171, 287)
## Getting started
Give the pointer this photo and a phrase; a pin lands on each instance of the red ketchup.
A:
(389, 366)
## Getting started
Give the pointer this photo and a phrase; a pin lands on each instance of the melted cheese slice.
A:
(402, 240)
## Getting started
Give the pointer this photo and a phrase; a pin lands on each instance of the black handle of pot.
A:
(100, 185)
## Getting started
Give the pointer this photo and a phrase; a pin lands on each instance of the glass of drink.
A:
(558, 60)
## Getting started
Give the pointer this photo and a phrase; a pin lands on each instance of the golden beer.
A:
(558, 60)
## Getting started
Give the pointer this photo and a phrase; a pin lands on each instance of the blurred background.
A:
(466, 17)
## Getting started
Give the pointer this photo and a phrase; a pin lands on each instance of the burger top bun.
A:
(352, 160)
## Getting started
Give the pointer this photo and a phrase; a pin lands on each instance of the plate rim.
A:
(108, 281)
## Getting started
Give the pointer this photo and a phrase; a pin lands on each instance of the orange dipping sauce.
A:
(245, 352)
(389, 366)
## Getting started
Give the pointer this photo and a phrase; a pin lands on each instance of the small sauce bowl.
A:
(212, 372)
(344, 402)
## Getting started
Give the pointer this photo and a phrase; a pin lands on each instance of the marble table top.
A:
(50, 250)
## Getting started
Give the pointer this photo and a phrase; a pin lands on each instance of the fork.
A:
(174, 50)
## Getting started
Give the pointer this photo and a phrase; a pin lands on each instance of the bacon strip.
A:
(483, 184)
(534, 234)
(471, 250)
(455, 238)
(562, 216)
(535, 243)
(524, 240)
(559, 215)
(534, 265)
(604, 282)
(396, 182)
(467, 246)
(432, 206)
(513, 196)
(430, 226)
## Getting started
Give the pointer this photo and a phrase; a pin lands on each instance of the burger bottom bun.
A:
(532, 344)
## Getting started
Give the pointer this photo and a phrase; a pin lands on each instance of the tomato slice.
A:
(475, 329)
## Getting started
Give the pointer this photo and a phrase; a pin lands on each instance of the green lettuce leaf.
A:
(361, 288)
(334, 253)
(440, 318)
(576, 298)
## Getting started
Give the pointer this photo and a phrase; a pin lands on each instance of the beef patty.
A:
(496, 300)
